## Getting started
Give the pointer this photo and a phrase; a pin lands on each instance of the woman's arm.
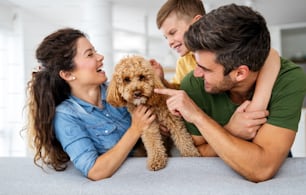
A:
(265, 82)
(108, 163)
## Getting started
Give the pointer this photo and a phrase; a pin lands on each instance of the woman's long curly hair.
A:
(46, 90)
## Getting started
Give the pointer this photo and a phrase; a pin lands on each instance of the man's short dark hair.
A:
(235, 33)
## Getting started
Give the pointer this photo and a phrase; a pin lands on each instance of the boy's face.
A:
(174, 28)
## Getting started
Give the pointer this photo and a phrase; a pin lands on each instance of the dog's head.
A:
(133, 82)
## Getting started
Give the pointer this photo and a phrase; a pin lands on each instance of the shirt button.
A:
(106, 131)
(107, 114)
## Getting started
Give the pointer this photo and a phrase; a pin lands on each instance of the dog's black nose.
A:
(137, 93)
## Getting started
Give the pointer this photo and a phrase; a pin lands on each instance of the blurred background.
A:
(116, 28)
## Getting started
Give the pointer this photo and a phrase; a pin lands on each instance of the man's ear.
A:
(241, 72)
(66, 75)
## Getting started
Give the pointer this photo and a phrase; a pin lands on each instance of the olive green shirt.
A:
(284, 106)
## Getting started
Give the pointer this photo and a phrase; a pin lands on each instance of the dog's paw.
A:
(157, 164)
(192, 152)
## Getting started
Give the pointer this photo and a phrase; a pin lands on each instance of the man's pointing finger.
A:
(169, 92)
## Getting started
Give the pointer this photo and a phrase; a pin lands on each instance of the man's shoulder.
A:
(288, 66)
(187, 80)
(192, 83)
(291, 73)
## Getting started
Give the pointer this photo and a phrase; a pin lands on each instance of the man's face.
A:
(212, 73)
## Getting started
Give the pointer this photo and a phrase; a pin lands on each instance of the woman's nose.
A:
(100, 57)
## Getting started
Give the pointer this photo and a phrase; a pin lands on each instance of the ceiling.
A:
(276, 12)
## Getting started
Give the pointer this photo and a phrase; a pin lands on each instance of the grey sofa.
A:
(181, 176)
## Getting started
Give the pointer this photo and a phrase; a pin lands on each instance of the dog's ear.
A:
(112, 95)
(157, 82)
(156, 98)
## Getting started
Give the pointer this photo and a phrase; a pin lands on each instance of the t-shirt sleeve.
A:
(287, 99)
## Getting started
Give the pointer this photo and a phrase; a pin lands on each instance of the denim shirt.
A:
(86, 131)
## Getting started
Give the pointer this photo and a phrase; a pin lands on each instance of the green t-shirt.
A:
(284, 106)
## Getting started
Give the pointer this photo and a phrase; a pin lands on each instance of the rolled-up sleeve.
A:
(76, 142)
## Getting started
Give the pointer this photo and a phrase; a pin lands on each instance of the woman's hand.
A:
(142, 117)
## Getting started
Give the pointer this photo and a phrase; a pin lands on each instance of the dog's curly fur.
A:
(132, 84)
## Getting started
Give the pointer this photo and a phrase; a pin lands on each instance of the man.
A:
(230, 45)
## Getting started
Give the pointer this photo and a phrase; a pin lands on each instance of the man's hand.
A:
(180, 104)
(246, 124)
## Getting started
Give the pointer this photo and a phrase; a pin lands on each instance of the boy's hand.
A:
(245, 124)
(158, 69)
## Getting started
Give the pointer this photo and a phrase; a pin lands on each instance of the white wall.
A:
(294, 42)
(299, 146)
(12, 84)
(23, 32)
(289, 40)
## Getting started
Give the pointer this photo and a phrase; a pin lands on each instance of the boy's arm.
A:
(158, 70)
(247, 128)
(265, 82)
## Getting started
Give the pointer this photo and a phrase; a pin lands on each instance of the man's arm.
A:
(242, 124)
(203, 147)
(257, 161)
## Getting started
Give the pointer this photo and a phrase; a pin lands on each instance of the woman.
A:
(69, 117)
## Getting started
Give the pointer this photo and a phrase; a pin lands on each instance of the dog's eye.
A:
(126, 80)
(142, 77)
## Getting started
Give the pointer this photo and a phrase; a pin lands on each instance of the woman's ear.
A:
(66, 75)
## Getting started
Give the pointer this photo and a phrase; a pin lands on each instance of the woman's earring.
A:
(73, 78)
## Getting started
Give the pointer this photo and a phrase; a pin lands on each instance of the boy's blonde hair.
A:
(182, 8)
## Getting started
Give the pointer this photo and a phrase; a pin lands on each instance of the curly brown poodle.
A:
(132, 84)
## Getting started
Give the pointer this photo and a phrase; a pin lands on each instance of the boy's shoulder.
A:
(187, 59)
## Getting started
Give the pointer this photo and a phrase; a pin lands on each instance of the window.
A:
(129, 43)
(12, 95)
